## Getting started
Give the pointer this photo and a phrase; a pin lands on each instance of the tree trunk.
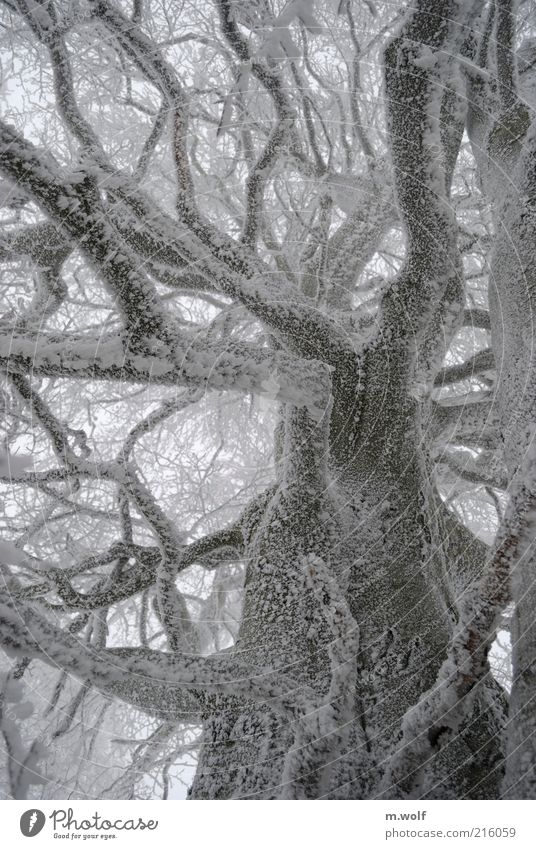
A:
(360, 669)
(387, 546)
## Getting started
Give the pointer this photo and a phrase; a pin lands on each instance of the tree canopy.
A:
(269, 392)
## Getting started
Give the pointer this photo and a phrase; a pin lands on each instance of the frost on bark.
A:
(268, 380)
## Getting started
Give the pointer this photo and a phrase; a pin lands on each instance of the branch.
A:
(139, 577)
(470, 421)
(480, 362)
(505, 54)
(58, 432)
(267, 76)
(441, 711)
(229, 365)
(418, 65)
(258, 178)
(159, 683)
(43, 243)
(477, 318)
(147, 57)
(475, 471)
(73, 201)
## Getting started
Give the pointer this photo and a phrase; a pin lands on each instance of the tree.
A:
(269, 468)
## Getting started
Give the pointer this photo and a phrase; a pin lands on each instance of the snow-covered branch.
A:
(237, 366)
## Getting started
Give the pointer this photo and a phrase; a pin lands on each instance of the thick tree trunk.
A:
(401, 649)
(400, 563)
(360, 668)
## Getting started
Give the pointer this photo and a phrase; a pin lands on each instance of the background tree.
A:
(267, 355)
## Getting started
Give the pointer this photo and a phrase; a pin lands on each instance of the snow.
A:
(250, 220)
